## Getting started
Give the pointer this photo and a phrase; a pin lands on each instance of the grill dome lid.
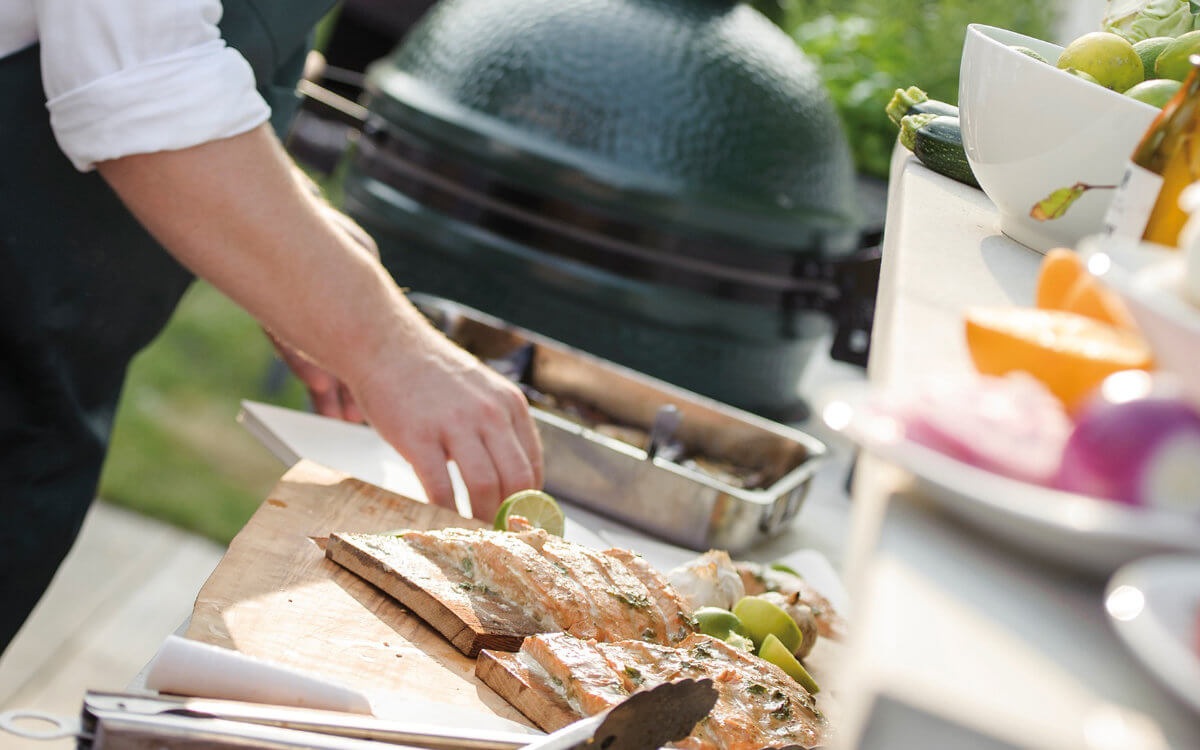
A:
(696, 115)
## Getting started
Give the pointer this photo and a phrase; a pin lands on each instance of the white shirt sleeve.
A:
(136, 76)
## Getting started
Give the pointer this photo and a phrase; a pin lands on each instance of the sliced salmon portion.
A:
(777, 711)
(444, 548)
(647, 665)
(758, 705)
(779, 706)
(676, 613)
(641, 606)
(621, 606)
(515, 570)
(515, 566)
(577, 667)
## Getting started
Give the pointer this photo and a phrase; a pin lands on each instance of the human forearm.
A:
(234, 213)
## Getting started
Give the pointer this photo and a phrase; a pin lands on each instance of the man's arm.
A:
(232, 211)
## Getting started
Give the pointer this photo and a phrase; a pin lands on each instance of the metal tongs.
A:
(114, 721)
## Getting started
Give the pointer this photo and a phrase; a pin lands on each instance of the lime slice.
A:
(778, 654)
(762, 618)
(536, 506)
(718, 623)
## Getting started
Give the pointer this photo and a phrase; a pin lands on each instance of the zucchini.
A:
(937, 141)
(914, 101)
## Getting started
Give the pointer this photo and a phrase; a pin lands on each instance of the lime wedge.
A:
(778, 654)
(761, 618)
(718, 623)
(535, 506)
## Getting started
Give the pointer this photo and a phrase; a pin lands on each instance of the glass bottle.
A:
(1166, 161)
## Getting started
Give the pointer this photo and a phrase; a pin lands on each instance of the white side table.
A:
(962, 640)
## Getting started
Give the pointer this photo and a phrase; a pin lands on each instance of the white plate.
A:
(1082, 532)
(1154, 605)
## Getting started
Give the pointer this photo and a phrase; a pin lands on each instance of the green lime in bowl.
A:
(1156, 92)
(1173, 61)
(1149, 50)
(1108, 58)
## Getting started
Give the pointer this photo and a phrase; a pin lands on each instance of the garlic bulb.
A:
(710, 580)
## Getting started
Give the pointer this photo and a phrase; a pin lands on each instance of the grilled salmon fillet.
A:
(677, 615)
(559, 584)
(758, 705)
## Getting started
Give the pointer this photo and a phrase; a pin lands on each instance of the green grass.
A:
(176, 452)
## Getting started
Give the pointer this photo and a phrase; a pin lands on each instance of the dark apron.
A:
(82, 288)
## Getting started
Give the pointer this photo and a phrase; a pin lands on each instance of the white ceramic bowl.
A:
(1150, 279)
(1030, 128)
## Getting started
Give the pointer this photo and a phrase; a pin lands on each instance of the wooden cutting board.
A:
(275, 595)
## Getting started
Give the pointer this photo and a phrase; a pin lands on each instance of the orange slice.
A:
(1068, 352)
(1061, 268)
(1091, 298)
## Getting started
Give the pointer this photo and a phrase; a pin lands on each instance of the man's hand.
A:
(436, 402)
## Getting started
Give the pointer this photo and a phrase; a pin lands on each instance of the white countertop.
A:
(964, 641)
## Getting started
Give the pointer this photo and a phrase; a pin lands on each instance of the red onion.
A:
(1140, 450)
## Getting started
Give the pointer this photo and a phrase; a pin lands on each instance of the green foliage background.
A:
(866, 49)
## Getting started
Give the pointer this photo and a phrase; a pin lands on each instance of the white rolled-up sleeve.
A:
(129, 77)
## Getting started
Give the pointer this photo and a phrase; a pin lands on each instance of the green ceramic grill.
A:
(662, 183)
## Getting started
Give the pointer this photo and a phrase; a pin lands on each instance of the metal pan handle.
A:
(36, 725)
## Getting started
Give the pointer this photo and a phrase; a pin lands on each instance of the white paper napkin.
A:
(188, 667)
